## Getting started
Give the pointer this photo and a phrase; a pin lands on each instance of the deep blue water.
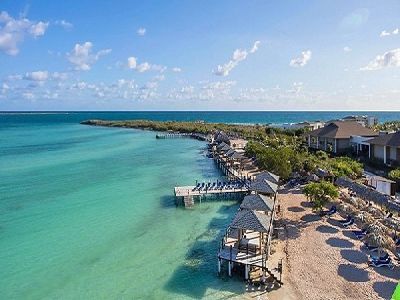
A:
(262, 117)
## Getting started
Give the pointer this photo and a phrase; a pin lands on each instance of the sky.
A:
(199, 55)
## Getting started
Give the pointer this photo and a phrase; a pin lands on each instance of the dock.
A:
(189, 193)
(177, 135)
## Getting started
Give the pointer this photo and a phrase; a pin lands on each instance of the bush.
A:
(319, 193)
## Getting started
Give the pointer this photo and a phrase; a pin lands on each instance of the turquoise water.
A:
(89, 213)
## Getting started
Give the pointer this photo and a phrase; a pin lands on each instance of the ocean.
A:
(89, 213)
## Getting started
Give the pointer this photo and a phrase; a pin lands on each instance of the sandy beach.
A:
(323, 260)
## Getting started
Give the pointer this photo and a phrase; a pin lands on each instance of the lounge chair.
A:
(329, 212)
(349, 223)
(360, 233)
(348, 218)
(383, 258)
(378, 264)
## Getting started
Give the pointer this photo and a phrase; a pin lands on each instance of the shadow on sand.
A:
(199, 271)
(384, 289)
(352, 273)
(296, 209)
(354, 256)
(339, 243)
(310, 218)
(327, 229)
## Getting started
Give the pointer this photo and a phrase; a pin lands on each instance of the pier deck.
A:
(241, 257)
(181, 191)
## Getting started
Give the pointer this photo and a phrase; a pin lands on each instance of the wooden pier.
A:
(190, 192)
(177, 135)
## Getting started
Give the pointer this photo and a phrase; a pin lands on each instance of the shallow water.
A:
(89, 213)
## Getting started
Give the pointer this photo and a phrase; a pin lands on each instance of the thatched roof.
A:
(257, 202)
(251, 220)
(236, 155)
(222, 145)
(263, 186)
(368, 194)
(268, 176)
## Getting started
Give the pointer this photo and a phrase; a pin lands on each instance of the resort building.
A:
(304, 125)
(382, 185)
(386, 147)
(337, 136)
(366, 121)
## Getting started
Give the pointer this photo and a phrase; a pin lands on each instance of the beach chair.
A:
(348, 218)
(397, 241)
(329, 212)
(378, 264)
(383, 258)
(360, 233)
(349, 223)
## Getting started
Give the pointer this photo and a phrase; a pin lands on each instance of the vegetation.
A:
(277, 150)
(388, 126)
(320, 193)
(394, 175)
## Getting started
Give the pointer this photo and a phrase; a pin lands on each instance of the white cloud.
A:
(82, 57)
(141, 31)
(144, 67)
(347, 49)
(388, 33)
(238, 56)
(176, 70)
(132, 62)
(64, 24)
(60, 75)
(302, 60)
(13, 31)
(38, 29)
(255, 46)
(37, 76)
(388, 59)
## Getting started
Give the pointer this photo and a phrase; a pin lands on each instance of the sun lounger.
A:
(360, 233)
(329, 212)
(349, 223)
(379, 264)
(348, 219)
(382, 259)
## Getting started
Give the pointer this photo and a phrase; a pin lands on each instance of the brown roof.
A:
(391, 139)
(342, 130)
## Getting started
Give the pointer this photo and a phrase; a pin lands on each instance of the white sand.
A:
(324, 260)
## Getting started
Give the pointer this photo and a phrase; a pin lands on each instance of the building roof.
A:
(222, 145)
(368, 194)
(236, 155)
(268, 176)
(225, 148)
(230, 152)
(258, 202)
(342, 130)
(251, 220)
(391, 139)
(221, 137)
(263, 186)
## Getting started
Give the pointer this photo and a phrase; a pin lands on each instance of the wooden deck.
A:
(181, 191)
(241, 257)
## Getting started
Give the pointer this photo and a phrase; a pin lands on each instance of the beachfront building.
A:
(386, 147)
(382, 185)
(366, 121)
(337, 136)
(304, 125)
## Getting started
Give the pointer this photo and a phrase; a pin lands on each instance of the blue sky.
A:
(199, 55)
